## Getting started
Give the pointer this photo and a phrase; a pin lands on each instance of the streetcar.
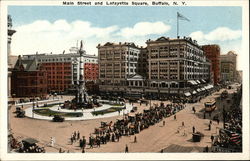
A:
(210, 106)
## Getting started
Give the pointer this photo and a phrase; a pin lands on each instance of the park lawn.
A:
(48, 112)
(109, 110)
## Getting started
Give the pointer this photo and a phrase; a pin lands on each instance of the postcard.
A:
(124, 80)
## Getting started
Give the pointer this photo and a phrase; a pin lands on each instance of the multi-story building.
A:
(117, 63)
(11, 59)
(91, 72)
(176, 66)
(165, 67)
(63, 69)
(212, 52)
(228, 66)
(28, 79)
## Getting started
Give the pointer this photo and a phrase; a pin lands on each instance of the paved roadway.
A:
(152, 139)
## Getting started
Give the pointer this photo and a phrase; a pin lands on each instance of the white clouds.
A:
(144, 29)
(45, 37)
(219, 34)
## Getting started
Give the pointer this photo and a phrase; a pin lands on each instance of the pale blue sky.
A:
(202, 18)
(57, 28)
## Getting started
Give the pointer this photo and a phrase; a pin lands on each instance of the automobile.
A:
(30, 146)
(20, 114)
(134, 109)
(58, 118)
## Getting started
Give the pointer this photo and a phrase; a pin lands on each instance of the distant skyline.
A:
(46, 29)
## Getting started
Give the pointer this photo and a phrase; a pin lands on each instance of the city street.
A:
(171, 137)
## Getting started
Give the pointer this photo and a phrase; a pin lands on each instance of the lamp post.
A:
(33, 107)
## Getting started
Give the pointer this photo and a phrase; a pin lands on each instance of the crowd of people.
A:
(128, 126)
(231, 136)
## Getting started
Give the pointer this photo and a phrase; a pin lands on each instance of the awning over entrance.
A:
(203, 81)
(187, 94)
(194, 92)
(192, 82)
(209, 86)
(198, 90)
(203, 89)
(198, 81)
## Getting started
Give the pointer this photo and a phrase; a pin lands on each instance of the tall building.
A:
(165, 67)
(28, 79)
(63, 69)
(228, 66)
(176, 66)
(212, 52)
(117, 63)
(11, 59)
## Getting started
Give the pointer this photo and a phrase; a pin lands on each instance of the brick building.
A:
(91, 72)
(212, 52)
(58, 75)
(28, 79)
(63, 69)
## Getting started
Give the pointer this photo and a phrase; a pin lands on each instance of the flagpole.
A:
(177, 25)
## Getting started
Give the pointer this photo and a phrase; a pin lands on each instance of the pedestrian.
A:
(193, 129)
(51, 142)
(184, 133)
(218, 121)
(78, 135)
(135, 139)
(71, 140)
(193, 109)
(212, 138)
(83, 150)
(204, 115)
(209, 127)
(183, 123)
(210, 122)
(174, 117)
(206, 149)
(126, 149)
(60, 150)
(164, 123)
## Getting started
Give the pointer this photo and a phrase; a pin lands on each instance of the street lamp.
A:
(33, 107)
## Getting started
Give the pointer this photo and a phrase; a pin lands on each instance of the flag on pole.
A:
(181, 17)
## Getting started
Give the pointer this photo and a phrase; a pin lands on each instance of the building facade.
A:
(165, 67)
(229, 66)
(28, 79)
(212, 52)
(11, 63)
(63, 69)
(176, 66)
(117, 63)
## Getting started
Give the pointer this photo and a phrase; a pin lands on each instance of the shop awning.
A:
(194, 92)
(198, 90)
(203, 81)
(198, 81)
(187, 94)
(192, 82)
